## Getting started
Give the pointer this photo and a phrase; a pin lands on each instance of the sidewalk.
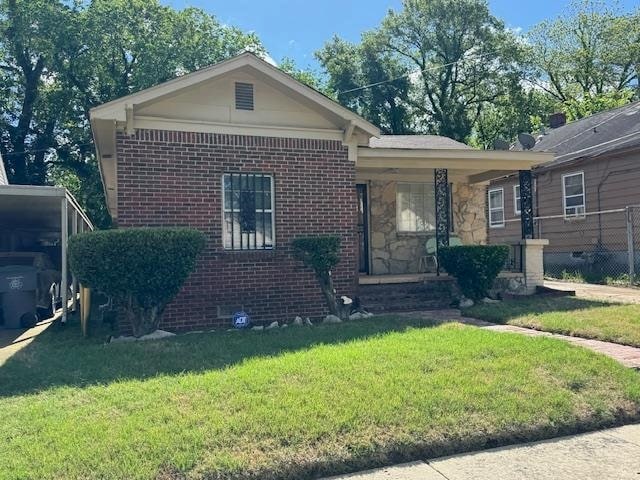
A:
(626, 355)
(612, 454)
(598, 292)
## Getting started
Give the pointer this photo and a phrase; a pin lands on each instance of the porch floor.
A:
(416, 278)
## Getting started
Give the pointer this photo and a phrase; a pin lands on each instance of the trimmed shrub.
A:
(475, 267)
(321, 254)
(142, 269)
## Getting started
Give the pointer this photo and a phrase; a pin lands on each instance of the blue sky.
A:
(297, 28)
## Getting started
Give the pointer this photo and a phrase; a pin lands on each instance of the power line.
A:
(428, 69)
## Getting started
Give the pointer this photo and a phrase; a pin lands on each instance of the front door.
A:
(363, 227)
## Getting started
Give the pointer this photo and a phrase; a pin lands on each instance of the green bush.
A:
(475, 267)
(142, 269)
(321, 254)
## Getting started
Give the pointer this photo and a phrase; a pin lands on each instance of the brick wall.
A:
(168, 178)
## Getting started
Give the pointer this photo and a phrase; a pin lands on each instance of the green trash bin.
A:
(18, 285)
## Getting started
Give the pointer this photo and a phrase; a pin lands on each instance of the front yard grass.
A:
(610, 322)
(294, 403)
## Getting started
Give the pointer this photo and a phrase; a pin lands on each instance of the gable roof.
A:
(116, 108)
(589, 137)
(416, 142)
(4, 180)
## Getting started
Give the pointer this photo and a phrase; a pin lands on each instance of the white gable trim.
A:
(116, 109)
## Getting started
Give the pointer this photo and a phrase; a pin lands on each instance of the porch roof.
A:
(468, 165)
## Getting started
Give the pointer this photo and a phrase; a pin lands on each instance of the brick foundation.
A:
(168, 178)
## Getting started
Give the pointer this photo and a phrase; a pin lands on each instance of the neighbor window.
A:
(516, 199)
(573, 195)
(248, 222)
(496, 207)
(415, 207)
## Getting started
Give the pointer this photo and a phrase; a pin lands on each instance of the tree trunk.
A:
(143, 320)
(329, 293)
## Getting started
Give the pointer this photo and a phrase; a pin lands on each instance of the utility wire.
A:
(427, 69)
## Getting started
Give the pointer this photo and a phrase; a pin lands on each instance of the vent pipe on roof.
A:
(557, 119)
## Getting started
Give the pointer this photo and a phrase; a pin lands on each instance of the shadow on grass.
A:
(537, 304)
(61, 357)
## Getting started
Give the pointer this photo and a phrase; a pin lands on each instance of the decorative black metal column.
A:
(441, 181)
(526, 203)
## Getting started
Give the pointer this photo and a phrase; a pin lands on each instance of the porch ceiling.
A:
(471, 166)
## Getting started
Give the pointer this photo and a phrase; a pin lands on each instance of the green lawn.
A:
(610, 322)
(293, 404)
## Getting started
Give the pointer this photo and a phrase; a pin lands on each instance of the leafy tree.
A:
(588, 59)
(463, 59)
(308, 77)
(350, 67)
(59, 59)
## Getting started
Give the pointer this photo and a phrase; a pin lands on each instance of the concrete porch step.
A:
(405, 296)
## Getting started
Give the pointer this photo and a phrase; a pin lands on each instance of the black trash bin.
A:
(18, 296)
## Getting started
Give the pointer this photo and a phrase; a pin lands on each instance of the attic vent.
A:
(244, 96)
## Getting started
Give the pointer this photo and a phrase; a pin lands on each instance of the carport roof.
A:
(36, 207)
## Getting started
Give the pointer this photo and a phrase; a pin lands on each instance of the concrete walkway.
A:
(628, 356)
(12, 341)
(612, 454)
(598, 292)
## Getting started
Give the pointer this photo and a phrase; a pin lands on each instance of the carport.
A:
(35, 223)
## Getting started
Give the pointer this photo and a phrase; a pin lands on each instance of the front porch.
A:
(411, 196)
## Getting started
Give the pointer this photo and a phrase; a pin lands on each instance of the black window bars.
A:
(248, 211)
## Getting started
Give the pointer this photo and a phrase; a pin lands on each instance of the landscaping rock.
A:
(489, 300)
(272, 325)
(357, 316)
(284, 325)
(466, 302)
(307, 322)
(258, 328)
(157, 335)
(298, 321)
(332, 319)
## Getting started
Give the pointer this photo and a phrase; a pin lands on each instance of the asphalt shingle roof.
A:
(592, 136)
(415, 142)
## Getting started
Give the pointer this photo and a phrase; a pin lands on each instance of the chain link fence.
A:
(599, 247)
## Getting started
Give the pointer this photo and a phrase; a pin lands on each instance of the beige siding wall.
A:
(511, 232)
(610, 183)
(394, 252)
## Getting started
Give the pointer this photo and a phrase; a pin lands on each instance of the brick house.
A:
(253, 158)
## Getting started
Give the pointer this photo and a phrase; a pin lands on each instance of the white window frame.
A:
(564, 197)
(516, 210)
(271, 211)
(398, 209)
(490, 209)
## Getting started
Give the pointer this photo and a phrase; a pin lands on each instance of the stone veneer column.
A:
(533, 262)
(469, 213)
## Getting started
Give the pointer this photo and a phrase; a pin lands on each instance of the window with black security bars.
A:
(248, 209)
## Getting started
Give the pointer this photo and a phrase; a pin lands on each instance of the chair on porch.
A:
(431, 252)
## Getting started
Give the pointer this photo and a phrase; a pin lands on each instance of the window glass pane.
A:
(248, 216)
(574, 201)
(573, 190)
(415, 204)
(495, 199)
(573, 180)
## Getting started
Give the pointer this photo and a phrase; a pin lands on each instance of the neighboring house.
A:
(4, 180)
(253, 158)
(579, 195)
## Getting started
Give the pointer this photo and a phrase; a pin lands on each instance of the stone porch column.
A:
(532, 264)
